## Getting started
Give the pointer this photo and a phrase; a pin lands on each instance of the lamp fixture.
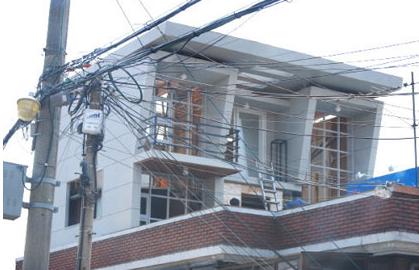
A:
(28, 108)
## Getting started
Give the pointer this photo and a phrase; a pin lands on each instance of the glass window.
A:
(195, 190)
(252, 201)
(160, 186)
(331, 159)
(74, 203)
(145, 184)
(158, 207)
(75, 200)
(331, 140)
(331, 181)
(344, 143)
(162, 132)
(317, 138)
(178, 188)
(317, 156)
(177, 208)
(194, 206)
(143, 210)
(329, 154)
(170, 196)
(343, 125)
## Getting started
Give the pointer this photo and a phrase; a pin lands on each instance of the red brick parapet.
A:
(254, 229)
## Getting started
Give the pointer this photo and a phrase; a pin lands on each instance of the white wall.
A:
(299, 125)
(365, 148)
(120, 191)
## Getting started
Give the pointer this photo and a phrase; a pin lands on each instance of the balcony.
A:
(172, 145)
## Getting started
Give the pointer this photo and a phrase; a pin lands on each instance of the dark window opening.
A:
(143, 210)
(177, 208)
(252, 201)
(158, 207)
(75, 203)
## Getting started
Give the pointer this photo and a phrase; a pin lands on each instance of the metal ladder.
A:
(268, 186)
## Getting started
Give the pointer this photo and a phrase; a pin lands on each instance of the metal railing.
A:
(199, 139)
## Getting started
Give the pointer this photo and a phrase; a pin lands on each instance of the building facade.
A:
(234, 123)
(377, 230)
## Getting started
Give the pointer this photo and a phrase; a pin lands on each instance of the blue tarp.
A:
(297, 202)
(405, 178)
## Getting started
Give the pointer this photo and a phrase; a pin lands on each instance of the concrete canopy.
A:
(274, 69)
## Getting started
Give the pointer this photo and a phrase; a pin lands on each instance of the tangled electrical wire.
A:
(17, 125)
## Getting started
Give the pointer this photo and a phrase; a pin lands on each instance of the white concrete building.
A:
(219, 117)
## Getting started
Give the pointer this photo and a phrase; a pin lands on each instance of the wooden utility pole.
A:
(414, 125)
(88, 183)
(38, 231)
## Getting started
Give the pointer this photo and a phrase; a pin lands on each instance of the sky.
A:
(316, 27)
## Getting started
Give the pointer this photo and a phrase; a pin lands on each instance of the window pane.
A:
(317, 179)
(194, 206)
(74, 188)
(332, 124)
(344, 143)
(252, 201)
(161, 108)
(195, 190)
(74, 203)
(160, 186)
(143, 210)
(332, 183)
(316, 174)
(158, 207)
(74, 211)
(343, 161)
(331, 140)
(145, 184)
(331, 159)
(317, 138)
(318, 120)
(344, 125)
(180, 138)
(176, 208)
(178, 188)
(317, 156)
(343, 182)
(161, 88)
(161, 132)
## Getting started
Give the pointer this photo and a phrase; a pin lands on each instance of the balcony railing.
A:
(202, 139)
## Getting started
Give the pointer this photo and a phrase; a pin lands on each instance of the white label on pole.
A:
(92, 122)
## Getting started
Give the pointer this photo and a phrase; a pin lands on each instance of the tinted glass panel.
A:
(178, 188)
(252, 201)
(194, 206)
(158, 207)
(176, 208)
(143, 206)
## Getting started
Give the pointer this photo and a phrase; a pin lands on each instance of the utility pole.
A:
(88, 177)
(38, 230)
(414, 128)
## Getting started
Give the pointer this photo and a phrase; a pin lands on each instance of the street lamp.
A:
(28, 108)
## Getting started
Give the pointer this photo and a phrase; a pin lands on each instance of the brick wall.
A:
(354, 218)
(360, 217)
